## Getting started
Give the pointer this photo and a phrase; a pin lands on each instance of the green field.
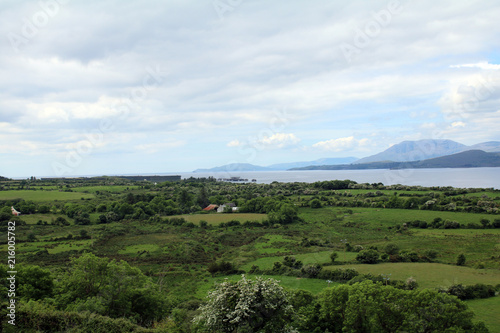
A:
(487, 310)
(290, 282)
(179, 257)
(391, 217)
(105, 188)
(430, 275)
(217, 218)
(321, 257)
(43, 196)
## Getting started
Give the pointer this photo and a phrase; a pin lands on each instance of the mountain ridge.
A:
(409, 151)
(465, 159)
(403, 152)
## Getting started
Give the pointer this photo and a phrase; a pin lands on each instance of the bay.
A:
(456, 177)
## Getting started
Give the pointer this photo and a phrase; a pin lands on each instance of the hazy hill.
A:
(408, 151)
(489, 147)
(416, 150)
(322, 161)
(466, 159)
(280, 166)
(235, 167)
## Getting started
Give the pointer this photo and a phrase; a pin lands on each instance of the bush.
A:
(461, 260)
(367, 257)
(391, 249)
(223, 267)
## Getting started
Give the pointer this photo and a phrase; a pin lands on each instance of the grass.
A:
(105, 188)
(306, 258)
(272, 244)
(71, 246)
(392, 217)
(34, 218)
(430, 275)
(135, 249)
(216, 219)
(487, 310)
(290, 282)
(43, 196)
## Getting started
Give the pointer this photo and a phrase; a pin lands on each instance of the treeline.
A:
(262, 305)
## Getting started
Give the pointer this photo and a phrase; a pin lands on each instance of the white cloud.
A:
(341, 144)
(480, 65)
(234, 143)
(458, 124)
(279, 140)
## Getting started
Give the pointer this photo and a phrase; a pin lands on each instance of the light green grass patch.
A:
(487, 310)
(71, 246)
(43, 196)
(34, 218)
(107, 188)
(136, 249)
(272, 244)
(392, 217)
(321, 257)
(218, 218)
(429, 275)
(290, 282)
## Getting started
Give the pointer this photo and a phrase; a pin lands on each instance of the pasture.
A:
(429, 275)
(218, 218)
(43, 195)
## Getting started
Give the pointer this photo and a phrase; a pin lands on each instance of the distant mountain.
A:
(465, 159)
(321, 161)
(279, 166)
(489, 147)
(408, 151)
(235, 167)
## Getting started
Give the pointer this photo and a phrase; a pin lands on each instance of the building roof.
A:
(210, 207)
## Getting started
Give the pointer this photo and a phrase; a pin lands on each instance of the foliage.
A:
(461, 259)
(372, 307)
(109, 288)
(367, 256)
(259, 305)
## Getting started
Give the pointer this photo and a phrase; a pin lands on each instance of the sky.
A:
(133, 87)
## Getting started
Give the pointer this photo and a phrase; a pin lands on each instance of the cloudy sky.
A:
(117, 87)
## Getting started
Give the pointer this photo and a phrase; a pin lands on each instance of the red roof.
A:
(210, 207)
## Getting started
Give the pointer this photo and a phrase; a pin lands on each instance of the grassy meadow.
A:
(177, 256)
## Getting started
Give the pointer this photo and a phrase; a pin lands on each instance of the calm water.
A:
(462, 178)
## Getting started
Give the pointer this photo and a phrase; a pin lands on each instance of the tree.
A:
(110, 288)
(34, 283)
(391, 249)
(334, 256)
(461, 260)
(315, 203)
(367, 256)
(373, 307)
(259, 305)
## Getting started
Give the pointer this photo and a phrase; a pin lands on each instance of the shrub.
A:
(367, 257)
(461, 260)
(391, 249)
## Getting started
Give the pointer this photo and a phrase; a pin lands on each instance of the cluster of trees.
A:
(264, 306)
(98, 285)
(439, 223)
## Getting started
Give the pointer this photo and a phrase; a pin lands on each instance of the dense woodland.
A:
(110, 255)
